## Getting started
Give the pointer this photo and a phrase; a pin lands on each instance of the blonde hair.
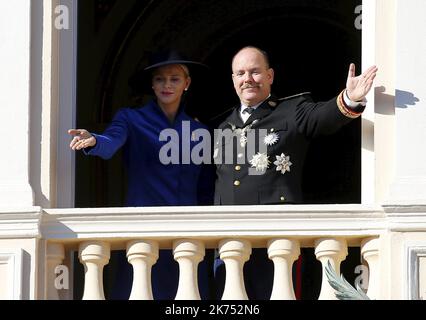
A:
(185, 69)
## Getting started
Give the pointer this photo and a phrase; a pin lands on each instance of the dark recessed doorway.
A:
(310, 43)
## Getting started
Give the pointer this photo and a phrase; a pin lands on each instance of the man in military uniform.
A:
(288, 126)
(279, 130)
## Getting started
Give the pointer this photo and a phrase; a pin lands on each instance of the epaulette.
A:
(294, 96)
(226, 112)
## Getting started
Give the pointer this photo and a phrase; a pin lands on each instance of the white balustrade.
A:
(370, 252)
(283, 253)
(234, 253)
(94, 255)
(55, 255)
(188, 253)
(335, 251)
(142, 255)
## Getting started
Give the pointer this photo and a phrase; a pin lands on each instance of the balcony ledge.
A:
(20, 223)
(211, 222)
(214, 222)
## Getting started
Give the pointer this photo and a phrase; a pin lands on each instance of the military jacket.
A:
(262, 162)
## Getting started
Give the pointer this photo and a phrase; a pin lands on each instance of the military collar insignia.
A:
(272, 104)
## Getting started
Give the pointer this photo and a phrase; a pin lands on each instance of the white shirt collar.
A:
(244, 106)
(244, 116)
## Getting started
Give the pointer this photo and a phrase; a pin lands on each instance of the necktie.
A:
(248, 110)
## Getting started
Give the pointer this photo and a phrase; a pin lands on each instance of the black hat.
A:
(141, 79)
(169, 57)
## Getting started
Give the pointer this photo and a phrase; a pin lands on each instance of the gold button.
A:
(282, 199)
(237, 183)
(237, 168)
(272, 130)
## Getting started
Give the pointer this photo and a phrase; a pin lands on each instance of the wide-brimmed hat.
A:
(168, 57)
(140, 81)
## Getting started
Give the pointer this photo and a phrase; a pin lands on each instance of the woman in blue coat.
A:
(152, 181)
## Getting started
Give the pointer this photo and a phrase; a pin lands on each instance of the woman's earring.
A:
(186, 89)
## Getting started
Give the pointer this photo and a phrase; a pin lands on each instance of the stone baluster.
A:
(94, 255)
(234, 253)
(335, 251)
(188, 253)
(370, 252)
(54, 257)
(142, 255)
(283, 253)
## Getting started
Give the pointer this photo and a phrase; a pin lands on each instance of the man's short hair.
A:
(262, 52)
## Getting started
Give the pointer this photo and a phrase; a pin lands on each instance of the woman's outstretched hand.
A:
(82, 139)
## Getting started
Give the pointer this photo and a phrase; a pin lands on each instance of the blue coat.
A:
(150, 182)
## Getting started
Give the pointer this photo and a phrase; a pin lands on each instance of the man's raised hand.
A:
(358, 87)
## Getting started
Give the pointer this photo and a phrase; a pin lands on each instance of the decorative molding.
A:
(219, 221)
(406, 217)
(20, 223)
(413, 252)
(263, 221)
(66, 79)
(405, 207)
(13, 260)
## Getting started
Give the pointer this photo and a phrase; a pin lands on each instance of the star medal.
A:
(260, 161)
(271, 139)
(283, 163)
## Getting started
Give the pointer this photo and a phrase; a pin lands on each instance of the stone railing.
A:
(233, 230)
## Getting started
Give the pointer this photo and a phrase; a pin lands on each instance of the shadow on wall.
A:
(404, 99)
(386, 103)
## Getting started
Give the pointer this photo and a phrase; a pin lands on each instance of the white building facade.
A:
(40, 228)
